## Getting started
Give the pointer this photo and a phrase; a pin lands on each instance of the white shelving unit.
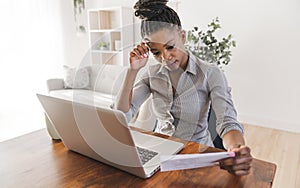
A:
(106, 26)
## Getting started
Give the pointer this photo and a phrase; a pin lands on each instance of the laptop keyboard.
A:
(145, 154)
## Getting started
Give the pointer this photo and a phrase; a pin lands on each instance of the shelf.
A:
(113, 27)
(104, 30)
(108, 58)
(106, 51)
(105, 19)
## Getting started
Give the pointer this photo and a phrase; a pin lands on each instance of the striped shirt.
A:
(185, 113)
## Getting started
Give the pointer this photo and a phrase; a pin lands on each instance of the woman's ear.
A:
(183, 36)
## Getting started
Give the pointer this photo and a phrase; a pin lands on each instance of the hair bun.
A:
(144, 9)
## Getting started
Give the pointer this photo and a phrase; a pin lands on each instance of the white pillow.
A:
(76, 78)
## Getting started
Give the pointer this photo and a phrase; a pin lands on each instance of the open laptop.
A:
(104, 135)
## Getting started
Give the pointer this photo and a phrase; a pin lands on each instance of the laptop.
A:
(103, 134)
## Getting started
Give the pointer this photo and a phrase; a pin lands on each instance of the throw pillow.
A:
(76, 78)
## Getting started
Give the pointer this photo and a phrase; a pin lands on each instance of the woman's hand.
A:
(139, 56)
(239, 165)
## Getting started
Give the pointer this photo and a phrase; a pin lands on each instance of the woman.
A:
(182, 87)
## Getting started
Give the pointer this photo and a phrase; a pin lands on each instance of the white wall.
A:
(263, 72)
(30, 53)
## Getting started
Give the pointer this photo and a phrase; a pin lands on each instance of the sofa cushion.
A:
(107, 79)
(83, 96)
(76, 78)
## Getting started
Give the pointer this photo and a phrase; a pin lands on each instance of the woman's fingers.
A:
(237, 169)
(141, 50)
(242, 150)
(236, 161)
(241, 172)
(144, 47)
(240, 164)
(139, 56)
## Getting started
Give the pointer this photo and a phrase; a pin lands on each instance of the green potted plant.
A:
(206, 46)
(103, 45)
(79, 6)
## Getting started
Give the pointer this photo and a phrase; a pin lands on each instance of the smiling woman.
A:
(30, 52)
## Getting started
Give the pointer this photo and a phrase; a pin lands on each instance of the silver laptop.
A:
(104, 135)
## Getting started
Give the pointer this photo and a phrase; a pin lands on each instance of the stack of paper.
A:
(188, 161)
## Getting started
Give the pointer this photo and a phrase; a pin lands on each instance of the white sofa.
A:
(105, 82)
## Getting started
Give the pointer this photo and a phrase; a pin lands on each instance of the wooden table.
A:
(34, 160)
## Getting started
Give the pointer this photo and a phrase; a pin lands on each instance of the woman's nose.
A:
(166, 55)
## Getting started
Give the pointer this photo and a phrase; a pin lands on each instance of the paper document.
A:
(188, 161)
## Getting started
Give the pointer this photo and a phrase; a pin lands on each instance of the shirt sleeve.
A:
(222, 104)
(141, 91)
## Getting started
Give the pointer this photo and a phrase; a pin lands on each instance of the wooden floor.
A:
(279, 147)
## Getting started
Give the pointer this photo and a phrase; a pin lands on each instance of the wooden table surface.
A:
(34, 160)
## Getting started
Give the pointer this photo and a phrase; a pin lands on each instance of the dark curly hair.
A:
(155, 15)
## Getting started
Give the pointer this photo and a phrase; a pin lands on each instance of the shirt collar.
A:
(162, 70)
(191, 66)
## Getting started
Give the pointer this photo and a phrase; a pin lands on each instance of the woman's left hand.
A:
(240, 164)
